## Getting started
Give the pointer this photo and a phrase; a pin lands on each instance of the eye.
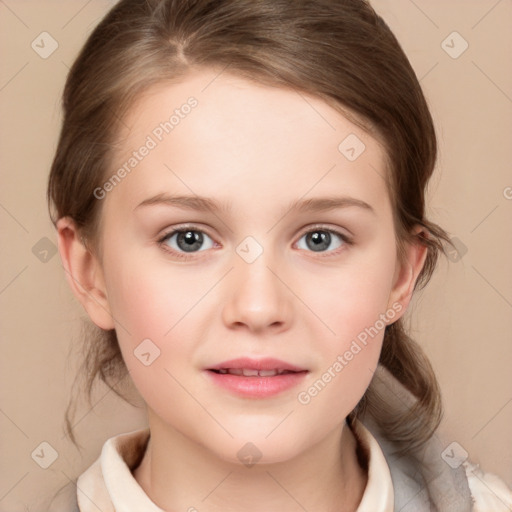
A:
(187, 240)
(322, 240)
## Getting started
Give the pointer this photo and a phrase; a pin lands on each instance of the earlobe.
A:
(83, 273)
(407, 272)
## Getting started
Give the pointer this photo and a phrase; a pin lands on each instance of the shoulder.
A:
(489, 492)
(422, 480)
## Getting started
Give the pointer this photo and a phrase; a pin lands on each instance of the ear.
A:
(83, 273)
(407, 271)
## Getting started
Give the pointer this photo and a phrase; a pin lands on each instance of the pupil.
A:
(318, 240)
(190, 241)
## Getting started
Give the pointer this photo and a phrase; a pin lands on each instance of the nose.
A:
(256, 299)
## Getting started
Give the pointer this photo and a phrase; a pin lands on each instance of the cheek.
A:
(149, 299)
(149, 311)
(354, 312)
(161, 315)
(354, 297)
(146, 306)
(349, 357)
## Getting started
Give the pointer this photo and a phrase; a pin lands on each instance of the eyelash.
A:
(183, 256)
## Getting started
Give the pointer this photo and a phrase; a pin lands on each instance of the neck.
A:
(179, 474)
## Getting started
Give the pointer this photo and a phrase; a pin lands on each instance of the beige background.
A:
(463, 319)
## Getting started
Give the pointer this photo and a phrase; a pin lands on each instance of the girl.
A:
(239, 195)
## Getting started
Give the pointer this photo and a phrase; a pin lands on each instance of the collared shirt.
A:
(109, 485)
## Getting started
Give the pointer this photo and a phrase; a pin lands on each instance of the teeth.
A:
(268, 373)
(249, 372)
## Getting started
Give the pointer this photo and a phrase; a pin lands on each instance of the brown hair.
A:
(338, 50)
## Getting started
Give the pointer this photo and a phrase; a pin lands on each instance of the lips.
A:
(249, 372)
(248, 367)
(256, 378)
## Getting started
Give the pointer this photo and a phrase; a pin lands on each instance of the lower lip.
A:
(257, 387)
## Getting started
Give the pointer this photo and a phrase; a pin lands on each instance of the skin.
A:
(257, 149)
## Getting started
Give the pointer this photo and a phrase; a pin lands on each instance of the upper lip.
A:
(257, 364)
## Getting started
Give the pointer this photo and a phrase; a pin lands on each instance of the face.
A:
(249, 227)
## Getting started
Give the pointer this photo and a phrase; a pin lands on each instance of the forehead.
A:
(216, 130)
(228, 99)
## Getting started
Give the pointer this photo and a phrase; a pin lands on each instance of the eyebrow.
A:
(209, 205)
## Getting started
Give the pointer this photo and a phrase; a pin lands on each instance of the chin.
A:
(250, 447)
